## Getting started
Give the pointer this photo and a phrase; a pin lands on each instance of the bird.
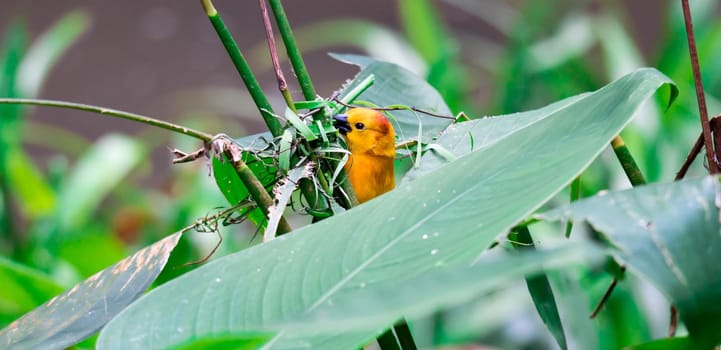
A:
(371, 142)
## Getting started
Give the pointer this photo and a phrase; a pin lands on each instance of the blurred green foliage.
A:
(68, 219)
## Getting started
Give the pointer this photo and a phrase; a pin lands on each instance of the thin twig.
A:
(606, 295)
(703, 113)
(282, 83)
(395, 108)
(673, 322)
(705, 124)
(635, 176)
(207, 256)
(182, 157)
(715, 125)
(695, 150)
(294, 55)
(112, 113)
(200, 225)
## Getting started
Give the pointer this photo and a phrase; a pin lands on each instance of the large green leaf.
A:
(85, 308)
(366, 308)
(463, 138)
(395, 85)
(242, 342)
(446, 218)
(669, 234)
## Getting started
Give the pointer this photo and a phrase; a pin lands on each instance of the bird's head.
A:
(367, 131)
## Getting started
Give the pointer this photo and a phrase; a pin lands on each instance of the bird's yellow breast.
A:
(370, 175)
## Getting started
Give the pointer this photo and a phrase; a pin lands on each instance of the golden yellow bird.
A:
(371, 142)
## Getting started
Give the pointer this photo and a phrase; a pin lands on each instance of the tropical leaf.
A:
(668, 234)
(365, 309)
(444, 219)
(242, 342)
(82, 310)
(463, 138)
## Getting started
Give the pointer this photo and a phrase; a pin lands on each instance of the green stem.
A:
(288, 99)
(256, 190)
(112, 113)
(388, 341)
(539, 287)
(404, 335)
(633, 172)
(575, 195)
(296, 59)
(7, 225)
(241, 65)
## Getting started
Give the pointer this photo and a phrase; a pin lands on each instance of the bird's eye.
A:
(360, 126)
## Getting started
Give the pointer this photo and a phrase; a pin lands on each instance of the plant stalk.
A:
(633, 172)
(294, 55)
(695, 150)
(703, 112)
(112, 113)
(282, 83)
(575, 195)
(388, 341)
(255, 188)
(539, 286)
(241, 65)
(404, 335)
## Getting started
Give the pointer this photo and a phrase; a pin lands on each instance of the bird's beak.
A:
(341, 123)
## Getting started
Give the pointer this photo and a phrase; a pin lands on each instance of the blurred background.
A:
(81, 191)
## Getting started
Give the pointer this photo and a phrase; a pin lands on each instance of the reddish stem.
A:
(703, 113)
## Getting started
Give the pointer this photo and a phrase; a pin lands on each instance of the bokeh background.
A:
(163, 59)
